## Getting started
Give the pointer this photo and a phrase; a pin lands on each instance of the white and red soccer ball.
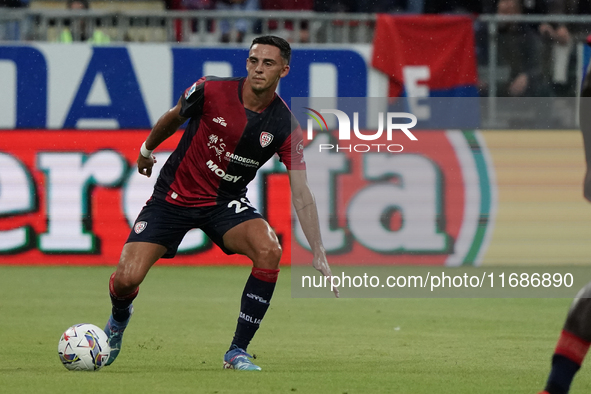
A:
(83, 347)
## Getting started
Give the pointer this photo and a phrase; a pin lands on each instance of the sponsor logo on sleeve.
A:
(140, 226)
(300, 148)
(190, 91)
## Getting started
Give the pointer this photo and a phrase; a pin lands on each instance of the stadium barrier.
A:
(203, 28)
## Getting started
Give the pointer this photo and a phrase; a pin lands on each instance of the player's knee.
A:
(126, 282)
(268, 256)
(578, 320)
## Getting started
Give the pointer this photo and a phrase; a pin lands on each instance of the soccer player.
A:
(236, 125)
(575, 337)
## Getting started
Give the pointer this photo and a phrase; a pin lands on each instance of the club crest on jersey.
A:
(140, 226)
(265, 138)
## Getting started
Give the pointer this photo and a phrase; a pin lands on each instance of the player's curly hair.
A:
(284, 47)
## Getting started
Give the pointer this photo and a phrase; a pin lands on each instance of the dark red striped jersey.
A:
(225, 144)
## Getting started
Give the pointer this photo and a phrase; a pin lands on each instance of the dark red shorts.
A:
(166, 224)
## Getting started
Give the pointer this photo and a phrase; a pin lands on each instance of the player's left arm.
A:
(305, 207)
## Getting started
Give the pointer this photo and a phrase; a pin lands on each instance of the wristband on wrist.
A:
(147, 153)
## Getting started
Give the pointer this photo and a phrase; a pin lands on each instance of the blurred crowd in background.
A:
(371, 6)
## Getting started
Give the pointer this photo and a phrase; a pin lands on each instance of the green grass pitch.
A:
(185, 319)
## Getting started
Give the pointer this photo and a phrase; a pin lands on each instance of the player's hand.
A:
(321, 264)
(145, 164)
(587, 185)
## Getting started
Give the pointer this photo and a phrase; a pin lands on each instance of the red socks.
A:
(566, 361)
(121, 310)
(572, 347)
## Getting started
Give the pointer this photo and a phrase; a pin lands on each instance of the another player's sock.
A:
(255, 302)
(568, 357)
(121, 303)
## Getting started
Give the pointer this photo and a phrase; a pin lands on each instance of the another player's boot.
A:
(114, 331)
(237, 358)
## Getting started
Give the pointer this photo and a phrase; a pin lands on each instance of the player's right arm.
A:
(190, 104)
(166, 126)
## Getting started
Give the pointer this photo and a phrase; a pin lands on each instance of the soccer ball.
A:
(84, 347)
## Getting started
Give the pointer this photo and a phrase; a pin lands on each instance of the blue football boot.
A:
(237, 358)
(114, 331)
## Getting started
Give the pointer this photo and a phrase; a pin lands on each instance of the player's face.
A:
(265, 67)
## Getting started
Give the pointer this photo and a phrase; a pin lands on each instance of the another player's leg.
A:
(135, 262)
(255, 239)
(576, 334)
(572, 345)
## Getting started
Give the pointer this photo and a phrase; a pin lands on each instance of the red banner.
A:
(432, 50)
(70, 198)
(64, 198)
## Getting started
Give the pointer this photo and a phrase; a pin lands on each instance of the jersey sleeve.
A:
(192, 99)
(291, 152)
